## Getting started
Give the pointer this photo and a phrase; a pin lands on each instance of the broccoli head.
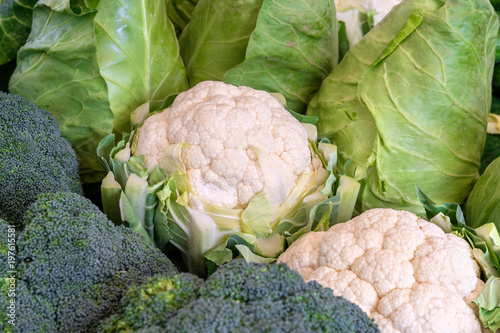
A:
(34, 157)
(238, 297)
(74, 265)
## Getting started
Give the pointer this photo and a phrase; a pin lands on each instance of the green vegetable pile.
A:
(158, 156)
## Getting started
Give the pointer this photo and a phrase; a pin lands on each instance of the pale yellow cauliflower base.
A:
(222, 125)
(403, 271)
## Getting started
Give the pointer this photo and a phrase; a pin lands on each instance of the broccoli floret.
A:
(238, 297)
(160, 297)
(34, 157)
(74, 265)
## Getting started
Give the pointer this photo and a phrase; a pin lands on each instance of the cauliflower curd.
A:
(403, 271)
(225, 127)
(225, 171)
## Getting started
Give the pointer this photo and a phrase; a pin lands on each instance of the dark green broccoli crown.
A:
(239, 297)
(34, 158)
(5, 245)
(246, 282)
(76, 264)
(154, 302)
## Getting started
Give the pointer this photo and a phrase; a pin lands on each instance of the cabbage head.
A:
(408, 104)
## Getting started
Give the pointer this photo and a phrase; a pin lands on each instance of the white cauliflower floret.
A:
(427, 308)
(223, 125)
(403, 271)
(153, 138)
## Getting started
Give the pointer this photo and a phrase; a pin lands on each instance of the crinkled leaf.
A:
(15, 26)
(171, 219)
(216, 38)
(488, 303)
(104, 148)
(291, 50)
(342, 117)
(328, 152)
(179, 12)
(136, 189)
(144, 200)
(343, 40)
(138, 55)
(228, 250)
(60, 74)
(217, 257)
(311, 216)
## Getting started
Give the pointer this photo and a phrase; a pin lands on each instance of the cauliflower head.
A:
(231, 134)
(403, 271)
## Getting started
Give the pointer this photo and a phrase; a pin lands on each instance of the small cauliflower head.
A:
(403, 271)
(237, 141)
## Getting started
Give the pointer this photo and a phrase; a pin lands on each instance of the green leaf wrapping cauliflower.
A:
(224, 171)
(403, 271)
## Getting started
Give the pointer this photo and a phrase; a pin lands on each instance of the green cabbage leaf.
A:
(283, 46)
(15, 26)
(408, 104)
(216, 37)
(91, 63)
(483, 203)
(291, 50)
